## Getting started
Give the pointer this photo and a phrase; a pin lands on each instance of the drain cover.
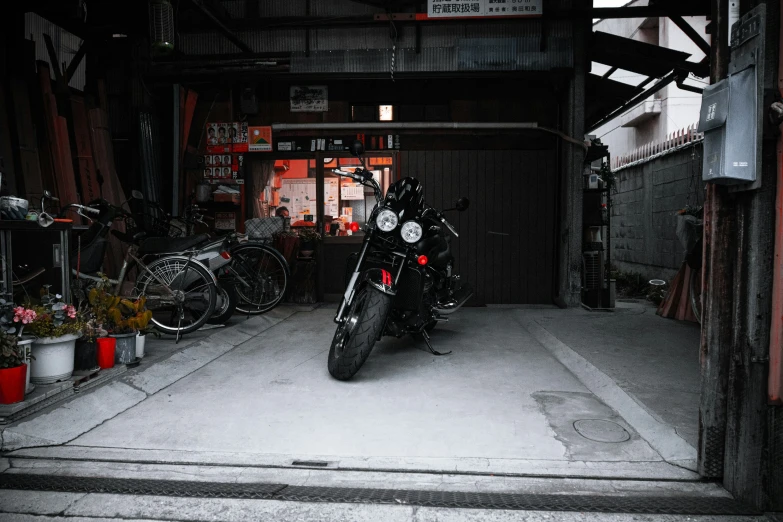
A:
(601, 430)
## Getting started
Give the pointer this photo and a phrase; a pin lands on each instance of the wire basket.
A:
(152, 226)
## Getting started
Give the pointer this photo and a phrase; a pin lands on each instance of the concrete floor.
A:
(503, 403)
(501, 395)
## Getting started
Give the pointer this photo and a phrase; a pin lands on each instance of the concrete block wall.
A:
(644, 212)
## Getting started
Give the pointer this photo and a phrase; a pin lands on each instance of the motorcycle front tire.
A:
(354, 340)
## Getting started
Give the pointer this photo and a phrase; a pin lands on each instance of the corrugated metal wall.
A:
(519, 45)
(65, 45)
(506, 248)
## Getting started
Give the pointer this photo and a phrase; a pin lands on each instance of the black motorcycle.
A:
(401, 281)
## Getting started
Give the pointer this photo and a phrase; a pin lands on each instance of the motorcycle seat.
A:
(168, 245)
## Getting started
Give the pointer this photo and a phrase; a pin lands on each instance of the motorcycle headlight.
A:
(411, 232)
(387, 220)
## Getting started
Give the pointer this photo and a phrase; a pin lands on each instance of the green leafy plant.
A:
(309, 235)
(118, 315)
(54, 318)
(10, 354)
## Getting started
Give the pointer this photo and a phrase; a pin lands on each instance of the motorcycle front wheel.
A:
(354, 339)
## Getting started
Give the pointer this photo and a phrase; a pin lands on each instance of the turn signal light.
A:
(354, 226)
(422, 260)
(225, 255)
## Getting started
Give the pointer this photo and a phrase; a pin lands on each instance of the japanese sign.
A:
(311, 98)
(260, 139)
(483, 8)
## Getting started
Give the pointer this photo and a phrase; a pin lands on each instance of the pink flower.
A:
(71, 311)
(23, 315)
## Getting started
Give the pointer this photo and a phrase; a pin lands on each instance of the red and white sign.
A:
(483, 8)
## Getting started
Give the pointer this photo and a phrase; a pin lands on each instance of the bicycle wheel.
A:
(180, 293)
(262, 277)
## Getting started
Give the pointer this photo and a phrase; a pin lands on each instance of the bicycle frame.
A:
(130, 260)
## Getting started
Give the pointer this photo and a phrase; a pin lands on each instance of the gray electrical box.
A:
(731, 113)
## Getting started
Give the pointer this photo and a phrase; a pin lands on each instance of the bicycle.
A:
(180, 291)
(257, 274)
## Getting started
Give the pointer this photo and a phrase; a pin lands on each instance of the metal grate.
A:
(452, 499)
(166, 488)
(310, 463)
(714, 447)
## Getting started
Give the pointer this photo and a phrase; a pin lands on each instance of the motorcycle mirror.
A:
(462, 204)
(136, 194)
(357, 148)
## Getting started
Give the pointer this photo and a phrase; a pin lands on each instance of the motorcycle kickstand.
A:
(429, 344)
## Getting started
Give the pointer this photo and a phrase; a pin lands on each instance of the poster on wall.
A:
(483, 8)
(309, 98)
(239, 136)
(260, 139)
(218, 137)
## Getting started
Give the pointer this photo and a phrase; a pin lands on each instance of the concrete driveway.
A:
(512, 398)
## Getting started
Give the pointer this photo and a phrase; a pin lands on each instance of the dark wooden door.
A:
(506, 248)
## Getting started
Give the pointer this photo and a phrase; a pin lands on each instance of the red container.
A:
(106, 347)
(12, 384)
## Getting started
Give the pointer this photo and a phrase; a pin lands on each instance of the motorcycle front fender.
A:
(380, 279)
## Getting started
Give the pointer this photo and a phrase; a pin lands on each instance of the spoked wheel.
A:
(262, 278)
(695, 291)
(354, 339)
(180, 293)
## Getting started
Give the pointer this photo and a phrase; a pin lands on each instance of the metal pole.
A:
(175, 148)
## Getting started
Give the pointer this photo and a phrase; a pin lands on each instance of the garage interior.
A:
(541, 392)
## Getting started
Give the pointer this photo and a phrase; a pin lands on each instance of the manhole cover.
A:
(601, 430)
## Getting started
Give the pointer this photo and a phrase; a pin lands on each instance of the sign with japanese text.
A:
(483, 8)
(260, 139)
(309, 98)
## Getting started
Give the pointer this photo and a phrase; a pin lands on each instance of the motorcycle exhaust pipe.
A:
(456, 301)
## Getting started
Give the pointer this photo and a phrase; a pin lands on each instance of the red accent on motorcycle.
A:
(386, 277)
(354, 226)
(225, 255)
(422, 260)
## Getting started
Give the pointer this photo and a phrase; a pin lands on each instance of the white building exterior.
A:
(669, 110)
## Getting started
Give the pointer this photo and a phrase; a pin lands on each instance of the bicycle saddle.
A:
(170, 245)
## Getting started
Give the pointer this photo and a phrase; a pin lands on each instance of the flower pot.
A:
(12, 384)
(125, 351)
(141, 340)
(86, 356)
(53, 358)
(106, 347)
(26, 346)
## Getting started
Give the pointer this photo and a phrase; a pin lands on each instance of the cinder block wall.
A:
(644, 209)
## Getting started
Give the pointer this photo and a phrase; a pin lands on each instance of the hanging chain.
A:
(393, 34)
(393, 58)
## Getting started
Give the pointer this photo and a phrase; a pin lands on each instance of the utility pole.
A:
(717, 286)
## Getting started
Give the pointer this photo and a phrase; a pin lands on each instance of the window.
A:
(385, 113)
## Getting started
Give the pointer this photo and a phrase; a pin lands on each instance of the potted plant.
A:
(308, 239)
(12, 322)
(144, 328)
(13, 370)
(56, 326)
(121, 319)
(86, 357)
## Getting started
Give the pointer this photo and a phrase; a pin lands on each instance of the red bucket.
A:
(12, 384)
(106, 347)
